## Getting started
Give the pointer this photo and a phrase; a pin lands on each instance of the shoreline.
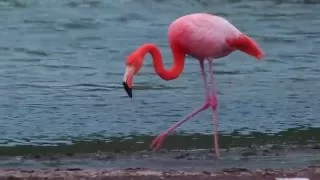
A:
(259, 163)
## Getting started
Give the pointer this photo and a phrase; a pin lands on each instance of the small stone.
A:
(74, 169)
(316, 146)
(249, 153)
(266, 151)
(69, 154)
(182, 156)
(206, 172)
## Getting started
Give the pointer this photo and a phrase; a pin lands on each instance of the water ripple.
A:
(62, 63)
(31, 52)
(64, 66)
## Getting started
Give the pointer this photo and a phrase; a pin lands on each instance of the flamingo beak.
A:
(127, 81)
(128, 90)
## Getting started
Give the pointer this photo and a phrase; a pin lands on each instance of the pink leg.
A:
(214, 105)
(158, 141)
(204, 76)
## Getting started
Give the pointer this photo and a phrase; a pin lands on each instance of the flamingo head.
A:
(134, 63)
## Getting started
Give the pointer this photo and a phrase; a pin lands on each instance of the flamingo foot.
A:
(158, 141)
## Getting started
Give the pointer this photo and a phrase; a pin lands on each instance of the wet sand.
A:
(263, 163)
(312, 173)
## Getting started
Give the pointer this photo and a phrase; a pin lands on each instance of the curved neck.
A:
(178, 61)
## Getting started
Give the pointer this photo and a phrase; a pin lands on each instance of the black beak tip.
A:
(128, 90)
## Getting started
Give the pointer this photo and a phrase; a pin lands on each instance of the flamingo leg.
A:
(158, 141)
(204, 76)
(214, 105)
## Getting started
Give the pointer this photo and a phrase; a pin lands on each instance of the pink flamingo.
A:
(204, 37)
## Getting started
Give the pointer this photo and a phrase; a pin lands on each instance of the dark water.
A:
(62, 64)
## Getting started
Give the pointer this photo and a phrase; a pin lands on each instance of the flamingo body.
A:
(204, 37)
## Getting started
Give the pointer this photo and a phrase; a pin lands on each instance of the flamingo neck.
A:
(178, 61)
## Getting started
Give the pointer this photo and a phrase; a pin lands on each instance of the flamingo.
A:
(203, 36)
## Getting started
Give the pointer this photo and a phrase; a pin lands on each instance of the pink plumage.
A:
(204, 37)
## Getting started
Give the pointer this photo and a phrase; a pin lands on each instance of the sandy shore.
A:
(262, 163)
(313, 173)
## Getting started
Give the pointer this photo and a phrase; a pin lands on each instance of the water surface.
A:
(62, 64)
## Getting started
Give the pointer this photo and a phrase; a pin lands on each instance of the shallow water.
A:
(62, 64)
